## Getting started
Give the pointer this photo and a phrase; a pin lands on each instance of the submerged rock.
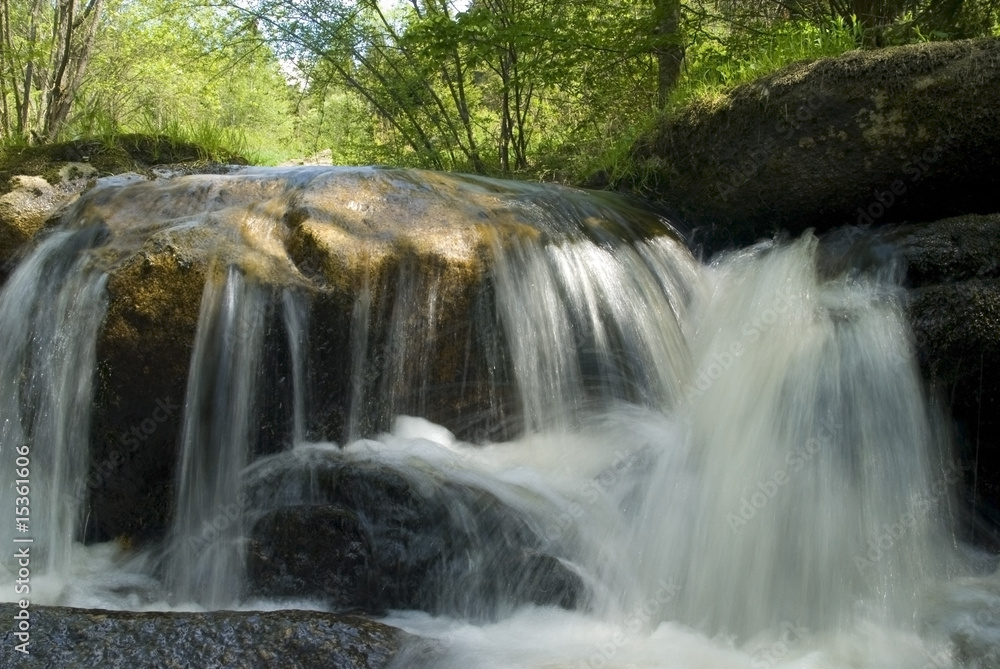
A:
(890, 135)
(360, 534)
(88, 639)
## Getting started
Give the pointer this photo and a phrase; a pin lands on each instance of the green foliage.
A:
(541, 89)
(735, 57)
(182, 69)
(170, 68)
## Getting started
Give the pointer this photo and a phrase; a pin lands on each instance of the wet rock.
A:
(951, 269)
(23, 212)
(360, 534)
(87, 639)
(889, 135)
(36, 181)
(393, 263)
(957, 328)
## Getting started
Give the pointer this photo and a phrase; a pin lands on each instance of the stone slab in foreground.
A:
(85, 639)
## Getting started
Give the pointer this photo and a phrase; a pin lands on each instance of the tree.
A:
(668, 46)
(46, 52)
(468, 89)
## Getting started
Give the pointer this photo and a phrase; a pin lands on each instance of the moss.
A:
(808, 145)
(116, 155)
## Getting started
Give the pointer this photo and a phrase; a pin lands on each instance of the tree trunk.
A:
(29, 70)
(668, 46)
(76, 35)
(6, 66)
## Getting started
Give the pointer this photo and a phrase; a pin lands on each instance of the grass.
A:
(716, 62)
(712, 68)
(110, 154)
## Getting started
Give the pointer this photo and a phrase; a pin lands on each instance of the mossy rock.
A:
(901, 134)
(37, 183)
(24, 209)
(113, 155)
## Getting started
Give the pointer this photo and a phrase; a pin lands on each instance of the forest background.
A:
(538, 89)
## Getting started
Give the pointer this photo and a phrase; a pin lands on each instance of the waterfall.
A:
(635, 459)
(50, 312)
(223, 385)
(296, 327)
(806, 440)
(587, 325)
(779, 475)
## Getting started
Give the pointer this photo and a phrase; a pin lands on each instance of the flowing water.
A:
(737, 460)
(50, 312)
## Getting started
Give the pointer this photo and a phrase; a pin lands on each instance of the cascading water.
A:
(50, 312)
(296, 319)
(204, 556)
(587, 325)
(731, 465)
(808, 438)
(794, 489)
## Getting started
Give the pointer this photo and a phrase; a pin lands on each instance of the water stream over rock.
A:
(520, 422)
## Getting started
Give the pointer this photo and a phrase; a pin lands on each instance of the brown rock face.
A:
(892, 135)
(23, 212)
(392, 263)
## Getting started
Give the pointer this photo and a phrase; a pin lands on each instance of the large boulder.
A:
(891, 135)
(392, 263)
(86, 639)
(357, 533)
